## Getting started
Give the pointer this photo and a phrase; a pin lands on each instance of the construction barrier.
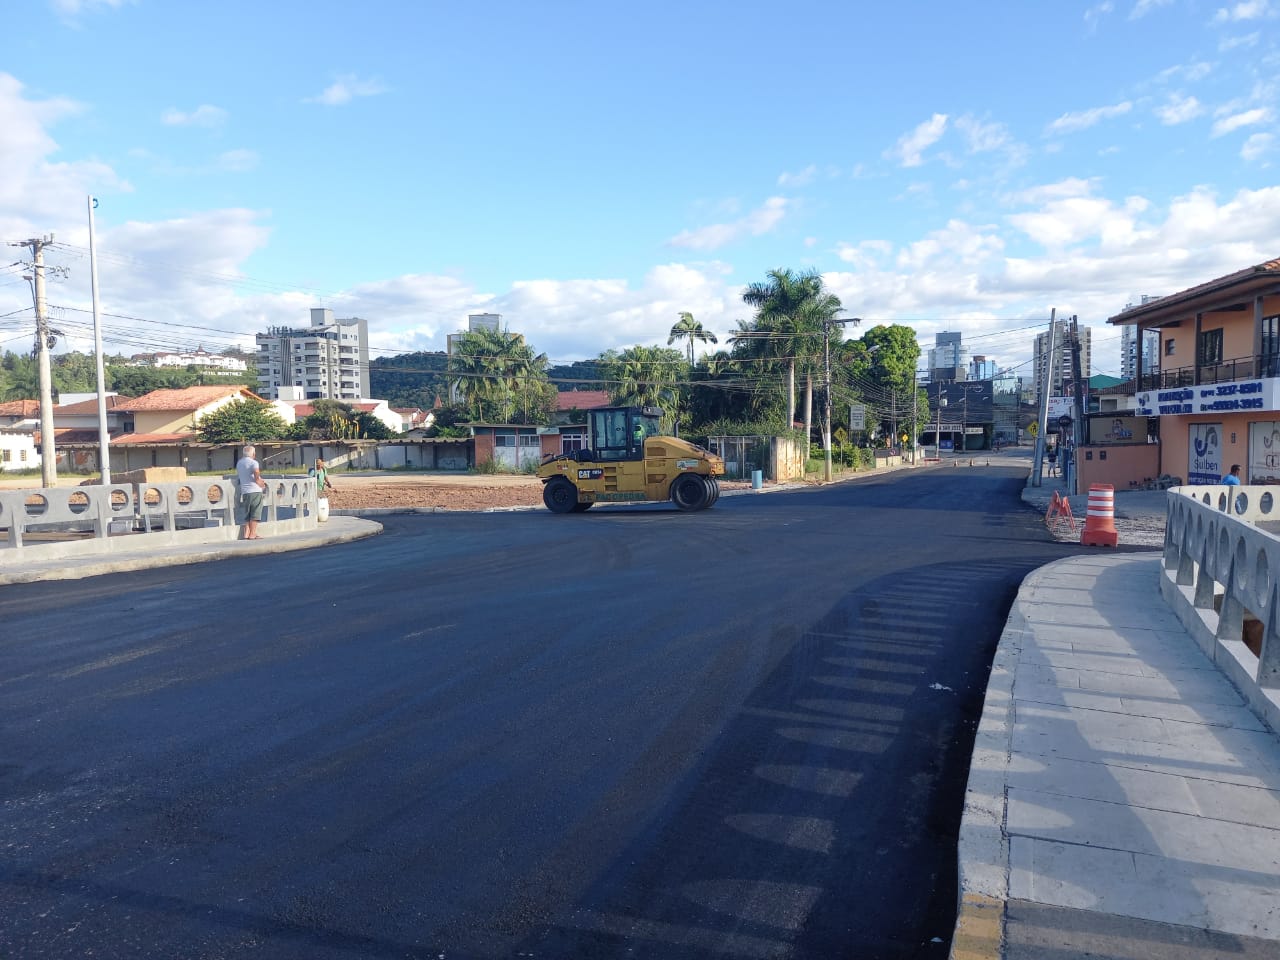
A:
(1100, 517)
(1059, 512)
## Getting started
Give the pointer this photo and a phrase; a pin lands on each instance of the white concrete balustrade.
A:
(1221, 572)
(48, 523)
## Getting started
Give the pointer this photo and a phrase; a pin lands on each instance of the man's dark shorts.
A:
(251, 506)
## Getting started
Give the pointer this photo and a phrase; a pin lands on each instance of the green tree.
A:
(499, 376)
(242, 421)
(644, 376)
(791, 312)
(691, 330)
(881, 367)
(74, 372)
(410, 379)
(21, 380)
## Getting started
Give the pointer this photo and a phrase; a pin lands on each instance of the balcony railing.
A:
(1227, 371)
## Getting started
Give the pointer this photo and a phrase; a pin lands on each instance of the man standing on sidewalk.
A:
(252, 488)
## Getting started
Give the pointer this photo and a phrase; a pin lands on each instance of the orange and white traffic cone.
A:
(1099, 522)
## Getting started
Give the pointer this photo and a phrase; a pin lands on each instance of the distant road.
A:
(739, 733)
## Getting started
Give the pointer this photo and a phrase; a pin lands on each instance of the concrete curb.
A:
(983, 850)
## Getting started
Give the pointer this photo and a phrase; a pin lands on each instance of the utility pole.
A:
(1081, 392)
(937, 437)
(826, 370)
(915, 410)
(1037, 461)
(48, 452)
(104, 437)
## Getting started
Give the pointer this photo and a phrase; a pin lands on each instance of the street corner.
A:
(979, 933)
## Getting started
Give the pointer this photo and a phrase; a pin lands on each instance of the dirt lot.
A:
(463, 492)
(444, 491)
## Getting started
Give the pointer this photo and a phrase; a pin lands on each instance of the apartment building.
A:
(948, 358)
(1129, 350)
(328, 360)
(1057, 370)
(1217, 390)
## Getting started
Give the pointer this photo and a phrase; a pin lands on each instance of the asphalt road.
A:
(741, 733)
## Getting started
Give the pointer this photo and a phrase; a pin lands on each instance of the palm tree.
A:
(643, 376)
(691, 330)
(497, 373)
(792, 311)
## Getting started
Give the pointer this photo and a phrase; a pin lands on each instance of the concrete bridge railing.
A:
(1221, 577)
(50, 523)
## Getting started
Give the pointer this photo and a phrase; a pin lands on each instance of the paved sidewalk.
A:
(143, 553)
(1139, 514)
(1123, 801)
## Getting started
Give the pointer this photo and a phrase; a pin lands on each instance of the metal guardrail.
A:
(1222, 578)
(147, 507)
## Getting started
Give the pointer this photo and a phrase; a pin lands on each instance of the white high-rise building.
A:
(328, 360)
(1129, 351)
(1060, 364)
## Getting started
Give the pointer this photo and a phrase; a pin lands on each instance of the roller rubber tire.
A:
(689, 492)
(559, 495)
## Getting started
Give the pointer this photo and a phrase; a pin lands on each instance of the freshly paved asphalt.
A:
(633, 732)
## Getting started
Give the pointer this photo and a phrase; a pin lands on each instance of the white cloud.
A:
(1247, 10)
(1046, 193)
(238, 161)
(1241, 42)
(1094, 14)
(982, 136)
(1234, 122)
(958, 243)
(1143, 7)
(36, 191)
(1179, 109)
(1189, 72)
(71, 9)
(346, 88)
(911, 146)
(1257, 147)
(202, 116)
(1084, 119)
(760, 221)
(803, 178)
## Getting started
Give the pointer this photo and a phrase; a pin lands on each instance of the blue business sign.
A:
(1243, 396)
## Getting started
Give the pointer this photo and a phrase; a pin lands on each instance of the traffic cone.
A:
(1099, 522)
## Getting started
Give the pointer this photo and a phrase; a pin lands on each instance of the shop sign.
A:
(1242, 396)
(1205, 453)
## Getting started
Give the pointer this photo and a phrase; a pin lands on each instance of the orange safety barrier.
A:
(1059, 512)
(1099, 521)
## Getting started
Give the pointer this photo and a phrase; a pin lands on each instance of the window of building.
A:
(6, 456)
(1210, 351)
(571, 442)
(1271, 346)
(1168, 346)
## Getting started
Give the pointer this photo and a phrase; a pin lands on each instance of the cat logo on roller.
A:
(628, 460)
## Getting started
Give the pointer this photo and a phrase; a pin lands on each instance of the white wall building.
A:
(328, 360)
(18, 448)
(200, 358)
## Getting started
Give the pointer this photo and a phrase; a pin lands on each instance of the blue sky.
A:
(589, 170)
